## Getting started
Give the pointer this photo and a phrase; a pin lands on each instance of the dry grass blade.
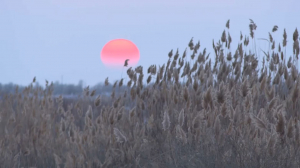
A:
(290, 129)
(217, 127)
(126, 63)
(197, 121)
(166, 121)
(191, 44)
(227, 24)
(149, 79)
(272, 103)
(57, 159)
(121, 82)
(284, 42)
(16, 159)
(106, 82)
(271, 144)
(241, 36)
(97, 101)
(170, 54)
(258, 123)
(181, 118)
(295, 35)
(245, 88)
(223, 38)
(280, 127)
(271, 38)
(120, 137)
(89, 112)
(275, 28)
(93, 93)
(180, 134)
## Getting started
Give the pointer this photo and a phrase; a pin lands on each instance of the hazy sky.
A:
(55, 38)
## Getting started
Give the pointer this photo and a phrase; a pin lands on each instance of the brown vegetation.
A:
(191, 113)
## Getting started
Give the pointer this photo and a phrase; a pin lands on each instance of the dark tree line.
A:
(62, 89)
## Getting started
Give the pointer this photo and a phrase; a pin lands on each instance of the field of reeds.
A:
(222, 110)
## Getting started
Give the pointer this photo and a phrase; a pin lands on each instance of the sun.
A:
(115, 52)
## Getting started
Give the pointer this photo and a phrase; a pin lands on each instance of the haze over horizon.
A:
(64, 38)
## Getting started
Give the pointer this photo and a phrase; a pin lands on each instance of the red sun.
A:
(115, 52)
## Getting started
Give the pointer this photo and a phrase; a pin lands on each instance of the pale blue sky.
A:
(65, 37)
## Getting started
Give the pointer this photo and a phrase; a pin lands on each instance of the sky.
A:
(61, 40)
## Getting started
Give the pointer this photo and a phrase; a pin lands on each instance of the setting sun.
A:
(115, 52)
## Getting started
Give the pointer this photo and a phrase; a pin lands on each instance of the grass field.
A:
(223, 110)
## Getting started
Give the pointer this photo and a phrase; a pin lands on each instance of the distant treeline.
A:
(61, 89)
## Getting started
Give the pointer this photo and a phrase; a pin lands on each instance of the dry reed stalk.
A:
(180, 134)
(121, 138)
(290, 129)
(97, 101)
(280, 126)
(271, 144)
(57, 159)
(181, 118)
(166, 121)
(259, 123)
(217, 127)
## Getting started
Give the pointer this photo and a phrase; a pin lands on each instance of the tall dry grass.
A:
(233, 112)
